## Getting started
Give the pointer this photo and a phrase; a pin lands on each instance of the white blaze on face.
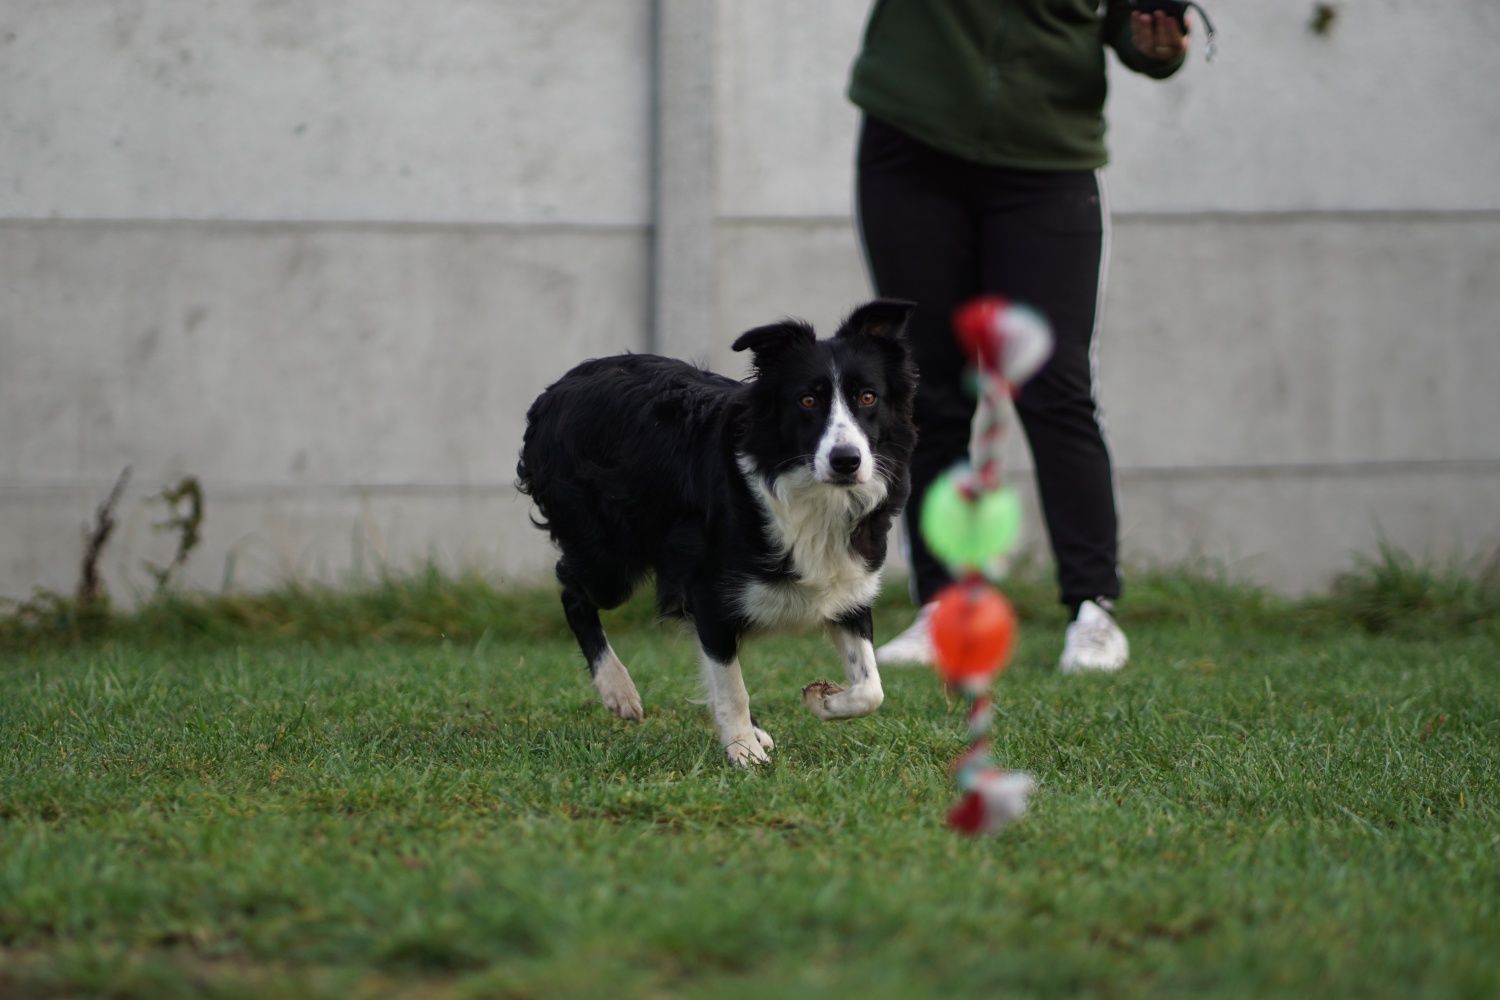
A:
(842, 433)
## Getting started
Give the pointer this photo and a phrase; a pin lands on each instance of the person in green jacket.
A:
(977, 173)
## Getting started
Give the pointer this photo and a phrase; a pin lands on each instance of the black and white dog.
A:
(756, 505)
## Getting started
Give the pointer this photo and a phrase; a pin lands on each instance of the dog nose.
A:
(844, 459)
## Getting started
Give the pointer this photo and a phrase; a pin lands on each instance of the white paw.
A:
(747, 751)
(830, 702)
(616, 689)
(625, 704)
(815, 696)
(766, 743)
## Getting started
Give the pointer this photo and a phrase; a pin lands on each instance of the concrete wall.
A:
(323, 255)
(319, 255)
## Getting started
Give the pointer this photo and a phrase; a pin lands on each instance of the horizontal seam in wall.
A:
(598, 227)
(583, 228)
(250, 491)
(1478, 467)
(1192, 217)
(1342, 470)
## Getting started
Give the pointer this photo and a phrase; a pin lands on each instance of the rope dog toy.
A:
(971, 520)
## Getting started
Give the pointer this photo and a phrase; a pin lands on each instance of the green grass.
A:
(243, 796)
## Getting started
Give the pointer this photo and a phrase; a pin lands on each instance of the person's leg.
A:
(920, 233)
(1044, 245)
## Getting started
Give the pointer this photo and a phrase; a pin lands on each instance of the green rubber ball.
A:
(964, 533)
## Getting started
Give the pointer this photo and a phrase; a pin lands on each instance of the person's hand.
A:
(1157, 36)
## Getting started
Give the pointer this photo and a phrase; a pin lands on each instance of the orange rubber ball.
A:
(973, 632)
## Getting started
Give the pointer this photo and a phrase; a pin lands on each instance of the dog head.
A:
(838, 410)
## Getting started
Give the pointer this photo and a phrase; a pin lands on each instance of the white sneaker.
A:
(914, 646)
(1094, 642)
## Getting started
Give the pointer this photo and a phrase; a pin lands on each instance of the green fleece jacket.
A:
(1012, 83)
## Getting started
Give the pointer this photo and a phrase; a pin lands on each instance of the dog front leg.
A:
(744, 742)
(852, 635)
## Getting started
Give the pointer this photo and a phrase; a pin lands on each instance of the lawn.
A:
(412, 791)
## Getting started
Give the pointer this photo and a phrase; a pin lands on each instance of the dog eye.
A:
(868, 398)
(808, 401)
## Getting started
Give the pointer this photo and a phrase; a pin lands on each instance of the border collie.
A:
(762, 504)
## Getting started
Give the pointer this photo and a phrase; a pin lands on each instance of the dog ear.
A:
(883, 318)
(775, 338)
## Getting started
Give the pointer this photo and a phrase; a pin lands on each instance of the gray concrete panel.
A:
(1386, 111)
(1293, 530)
(1233, 341)
(1303, 340)
(785, 131)
(261, 537)
(293, 355)
(456, 110)
(1381, 112)
(1296, 529)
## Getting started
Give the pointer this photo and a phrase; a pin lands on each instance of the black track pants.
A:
(939, 230)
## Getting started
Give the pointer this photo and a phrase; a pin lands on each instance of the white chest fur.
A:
(811, 522)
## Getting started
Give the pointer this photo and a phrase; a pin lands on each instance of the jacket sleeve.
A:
(1117, 34)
